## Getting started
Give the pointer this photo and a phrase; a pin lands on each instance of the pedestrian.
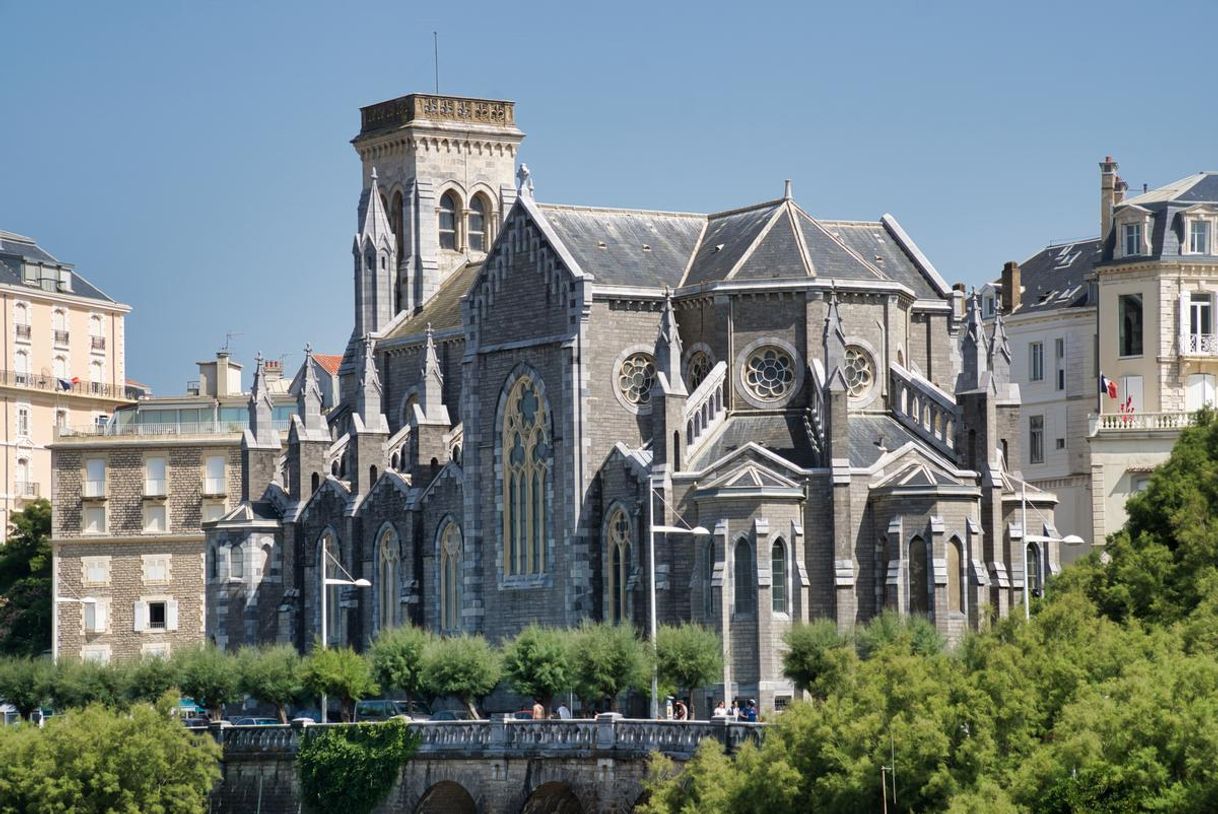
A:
(539, 712)
(564, 712)
(680, 712)
(734, 714)
(720, 710)
(750, 711)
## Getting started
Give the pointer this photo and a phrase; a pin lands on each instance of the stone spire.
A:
(368, 392)
(260, 405)
(376, 263)
(308, 400)
(835, 336)
(431, 380)
(999, 352)
(374, 222)
(668, 347)
(974, 350)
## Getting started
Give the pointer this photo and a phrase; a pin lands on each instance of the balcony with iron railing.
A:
(97, 343)
(95, 488)
(23, 331)
(154, 487)
(27, 489)
(62, 338)
(1199, 344)
(213, 487)
(33, 381)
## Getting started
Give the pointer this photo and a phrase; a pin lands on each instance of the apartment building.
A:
(63, 363)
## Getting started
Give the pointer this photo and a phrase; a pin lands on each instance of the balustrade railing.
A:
(32, 381)
(706, 408)
(1131, 422)
(27, 488)
(922, 407)
(169, 428)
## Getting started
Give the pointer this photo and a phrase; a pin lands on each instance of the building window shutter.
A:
(1183, 310)
(99, 616)
(91, 611)
(141, 616)
(171, 614)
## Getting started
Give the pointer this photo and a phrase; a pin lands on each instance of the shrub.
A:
(352, 768)
(341, 672)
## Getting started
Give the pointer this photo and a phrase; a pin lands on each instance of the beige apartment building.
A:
(63, 363)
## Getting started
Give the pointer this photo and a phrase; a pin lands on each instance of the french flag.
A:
(1108, 387)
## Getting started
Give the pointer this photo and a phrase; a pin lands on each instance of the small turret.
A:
(261, 409)
(668, 348)
(308, 400)
(974, 350)
(368, 392)
(375, 252)
(431, 383)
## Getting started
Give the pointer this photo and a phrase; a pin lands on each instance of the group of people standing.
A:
(737, 711)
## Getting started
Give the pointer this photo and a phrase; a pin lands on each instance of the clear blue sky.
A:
(192, 158)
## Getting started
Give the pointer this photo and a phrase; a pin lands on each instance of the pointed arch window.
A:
(955, 585)
(450, 578)
(744, 577)
(448, 221)
(778, 575)
(1033, 569)
(388, 577)
(918, 597)
(526, 467)
(618, 572)
(477, 233)
(708, 580)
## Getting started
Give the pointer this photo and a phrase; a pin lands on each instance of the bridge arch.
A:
(446, 797)
(554, 797)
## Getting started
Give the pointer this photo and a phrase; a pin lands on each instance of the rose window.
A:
(859, 371)
(635, 378)
(770, 373)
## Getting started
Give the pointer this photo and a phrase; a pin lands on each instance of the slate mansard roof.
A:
(17, 250)
(1056, 276)
(1165, 207)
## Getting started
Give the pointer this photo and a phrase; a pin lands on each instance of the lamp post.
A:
(652, 531)
(75, 600)
(1069, 539)
(326, 582)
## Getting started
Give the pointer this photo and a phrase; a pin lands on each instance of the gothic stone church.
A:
(809, 391)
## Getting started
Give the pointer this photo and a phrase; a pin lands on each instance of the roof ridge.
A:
(879, 274)
(742, 209)
(754, 243)
(621, 210)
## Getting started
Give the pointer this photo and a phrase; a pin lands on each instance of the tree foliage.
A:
(465, 667)
(352, 769)
(26, 683)
(99, 760)
(537, 663)
(209, 676)
(608, 660)
(25, 583)
(688, 656)
(271, 674)
(341, 672)
(397, 659)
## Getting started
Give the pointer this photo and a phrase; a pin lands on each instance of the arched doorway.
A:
(446, 797)
(552, 798)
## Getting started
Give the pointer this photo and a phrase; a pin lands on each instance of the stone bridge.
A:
(498, 766)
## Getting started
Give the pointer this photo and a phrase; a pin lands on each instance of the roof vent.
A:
(718, 247)
(646, 248)
(600, 244)
(879, 259)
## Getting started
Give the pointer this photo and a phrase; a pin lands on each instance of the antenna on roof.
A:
(228, 340)
(435, 42)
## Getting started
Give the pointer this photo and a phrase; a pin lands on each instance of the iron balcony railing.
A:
(23, 331)
(154, 487)
(171, 428)
(95, 488)
(15, 378)
(62, 337)
(27, 488)
(97, 342)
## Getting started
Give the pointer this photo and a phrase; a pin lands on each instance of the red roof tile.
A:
(328, 362)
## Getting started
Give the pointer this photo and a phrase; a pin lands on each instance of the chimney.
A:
(221, 374)
(1108, 193)
(1011, 286)
(273, 369)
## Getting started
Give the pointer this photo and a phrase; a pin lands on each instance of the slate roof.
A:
(866, 429)
(14, 249)
(1055, 277)
(443, 310)
(781, 434)
(1200, 187)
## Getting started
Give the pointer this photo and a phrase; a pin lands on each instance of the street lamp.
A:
(75, 600)
(1069, 539)
(326, 582)
(652, 531)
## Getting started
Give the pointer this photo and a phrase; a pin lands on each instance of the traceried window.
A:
(745, 578)
(635, 377)
(778, 577)
(388, 578)
(477, 220)
(448, 221)
(1129, 309)
(526, 464)
(770, 373)
(450, 578)
(859, 371)
(699, 368)
(618, 570)
(919, 596)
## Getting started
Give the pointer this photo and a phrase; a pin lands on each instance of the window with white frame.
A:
(25, 487)
(155, 614)
(1130, 394)
(1059, 362)
(448, 221)
(95, 570)
(1129, 329)
(1036, 361)
(59, 323)
(236, 562)
(212, 510)
(156, 520)
(213, 477)
(1201, 317)
(1133, 239)
(1199, 236)
(156, 567)
(154, 476)
(97, 615)
(23, 420)
(21, 321)
(61, 419)
(60, 368)
(95, 477)
(1200, 392)
(1036, 439)
(96, 653)
(987, 306)
(94, 520)
(97, 372)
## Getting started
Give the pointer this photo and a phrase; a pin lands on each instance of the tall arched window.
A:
(388, 577)
(61, 367)
(450, 578)
(476, 236)
(526, 464)
(448, 221)
(327, 547)
(1033, 569)
(955, 593)
(21, 366)
(708, 579)
(618, 572)
(744, 577)
(918, 595)
(778, 577)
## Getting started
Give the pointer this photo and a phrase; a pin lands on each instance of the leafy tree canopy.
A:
(688, 656)
(537, 663)
(341, 672)
(465, 667)
(607, 661)
(273, 674)
(25, 583)
(397, 658)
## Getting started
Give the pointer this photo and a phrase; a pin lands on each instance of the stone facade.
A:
(809, 391)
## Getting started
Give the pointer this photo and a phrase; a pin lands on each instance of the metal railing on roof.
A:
(75, 387)
(161, 429)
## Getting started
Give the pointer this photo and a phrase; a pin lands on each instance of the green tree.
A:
(608, 660)
(341, 672)
(816, 654)
(148, 679)
(352, 768)
(26, 683)
(465, 667)
(99, 760)
(688, 656)
(537, 663)
(25, 583)
(76, 684)
(272, 674)
(209, 676)
(397, 659)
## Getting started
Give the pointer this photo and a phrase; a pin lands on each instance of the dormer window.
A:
(1133, 239)
(1199, 236)
(987, 306)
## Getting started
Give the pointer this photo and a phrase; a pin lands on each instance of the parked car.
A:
(189, 708)
(522, 714)
(452, 715)
(196, 722)
(382, 710)
(251, 721)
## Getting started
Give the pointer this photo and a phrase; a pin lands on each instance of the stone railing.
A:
(1140, 422)
(607, 735)
(397, 112)
(72, 387)
(816, 403)
(706, 408)
(930, 412)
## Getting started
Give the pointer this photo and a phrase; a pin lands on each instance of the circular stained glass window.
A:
(699, 366)
(859, 371)
(770, 373)
(635, 378)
